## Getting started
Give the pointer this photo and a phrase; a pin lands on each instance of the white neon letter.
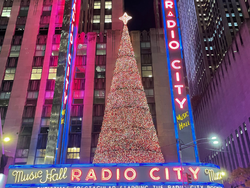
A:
(178, 171)
(179, 88)
(174, 66)
(169, 4)
(194, 172)
(171, 23)
(151, 173)
(181, 103)
(174, 45)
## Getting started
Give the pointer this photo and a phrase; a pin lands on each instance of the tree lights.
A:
(128, 134)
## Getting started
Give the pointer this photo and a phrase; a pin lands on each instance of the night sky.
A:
(142, 12)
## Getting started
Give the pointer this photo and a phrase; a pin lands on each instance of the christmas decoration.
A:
(128, 134)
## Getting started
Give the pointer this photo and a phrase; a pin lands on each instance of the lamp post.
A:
(214, 140)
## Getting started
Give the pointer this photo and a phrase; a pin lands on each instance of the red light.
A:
(169, 4)
(151, 174)
(174, 45)
(91, 175)
(179, 88)
(173, 64)
(181, 103)
(177, 74)
(104, 172)
(171, 23)
(76, 174)
(194, 172)
(178, 170)
(126, 174)
(167, 173)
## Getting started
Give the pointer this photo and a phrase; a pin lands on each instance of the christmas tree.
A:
(128, 134)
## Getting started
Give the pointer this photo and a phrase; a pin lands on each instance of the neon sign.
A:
(115, 174)
(184, 127)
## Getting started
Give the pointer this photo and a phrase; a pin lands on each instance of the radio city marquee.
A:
(113, 175)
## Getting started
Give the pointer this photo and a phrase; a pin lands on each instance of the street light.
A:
(6, 139)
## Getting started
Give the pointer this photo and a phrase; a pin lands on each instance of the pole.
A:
(180, 153)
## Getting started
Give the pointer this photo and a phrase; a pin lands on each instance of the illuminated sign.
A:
(184, 127)
(110, 174)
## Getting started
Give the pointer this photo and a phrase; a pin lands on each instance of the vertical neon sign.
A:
(183, 120)
(69, 70)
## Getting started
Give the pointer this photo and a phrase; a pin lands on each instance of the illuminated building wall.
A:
(223, 109)
(208, 28)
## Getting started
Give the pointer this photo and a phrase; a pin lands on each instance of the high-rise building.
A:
(208, 28)
(37, 39)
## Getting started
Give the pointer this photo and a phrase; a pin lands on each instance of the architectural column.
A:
(43, 83)
(136, 42)
(85, 151)
(163, 104)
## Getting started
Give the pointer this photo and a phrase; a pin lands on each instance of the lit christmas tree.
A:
(128, 134)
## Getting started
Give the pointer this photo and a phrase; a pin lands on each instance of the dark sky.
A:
(142, 12)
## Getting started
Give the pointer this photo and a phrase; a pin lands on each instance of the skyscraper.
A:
(208, 28)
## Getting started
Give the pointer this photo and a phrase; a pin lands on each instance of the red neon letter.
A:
(104, 171)
(178, 170)
(117, 174)
(179, 88)
(76, 174)
(171, 23)
(151, 174)
(167, 173)
(174, 45)
(169, 4)
(181, 103)
(194, 172)
(126, 174)
(91, 175)
(174, 66)
(177, 76)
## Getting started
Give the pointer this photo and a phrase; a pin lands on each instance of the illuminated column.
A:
(43, 82)
(117, 11)
(136, 43)
(13, 120)
(88, 100)
(182, 112)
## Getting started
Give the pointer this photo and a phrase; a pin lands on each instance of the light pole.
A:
(214, 140)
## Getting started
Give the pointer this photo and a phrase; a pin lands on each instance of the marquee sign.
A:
(112, 175)
(184, 127)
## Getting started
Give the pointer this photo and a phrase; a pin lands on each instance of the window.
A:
(97, 5)
(32, 95)
(52, 73)
(80, 72)
(145, 45)
(47, 8)
(5, 95)
(40, 50)
(108, 18)
(96, 19)
(6, 12)
(78, 95)
(15, 50)
(99, 93)
(45, 122)
(73, 153)
(36, 74)
(146, 71)
(49, 94)
(9, 74)
(149, 92)
(100, 71)
(108, 5)
(101, 49)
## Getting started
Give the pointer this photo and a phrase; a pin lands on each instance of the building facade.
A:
(208, 28)
(223, 109)
(34, 47)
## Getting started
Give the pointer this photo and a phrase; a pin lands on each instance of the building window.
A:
(9, 74)
(73, 153)
(147, 71)
(78, 95)
(6, 12)
(36, 74)
(108, 18)
(108, 5)
(99, 93)
(5, 95)
(47, 8)
(45, 122)
(145, 45)
(101, 49)
(149, 92)
(40, 50)
(97, 5)
(80, 72)
(32, 95)
(49, 94)
(15, 50)
(96, 19)
(52, 73)
(100, 71)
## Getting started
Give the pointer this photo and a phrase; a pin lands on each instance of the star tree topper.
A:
(125, 18)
